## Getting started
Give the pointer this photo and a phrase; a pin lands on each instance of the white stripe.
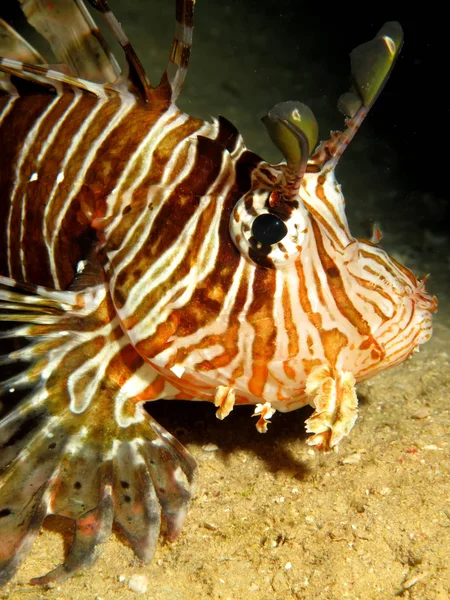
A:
(165, 192)
(246, 338)
(134, 386)
(7, 108)
(26, 147)
(169, 261)
(20, 69)
(53, 236)
(121, 195)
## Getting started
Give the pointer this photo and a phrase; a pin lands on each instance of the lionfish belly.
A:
(146, 254)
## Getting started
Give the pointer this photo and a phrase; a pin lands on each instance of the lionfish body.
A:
(146, 254)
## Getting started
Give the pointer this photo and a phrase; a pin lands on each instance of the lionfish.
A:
(146, 254)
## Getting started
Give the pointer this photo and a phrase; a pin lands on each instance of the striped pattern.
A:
(162, 197)
(204, 309)
(128, 258)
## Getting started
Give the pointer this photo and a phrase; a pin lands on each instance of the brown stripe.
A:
(376, 287)
(228, 135)
(377, 310)
(337, 288)
(320, 219)
(172, 218)
(100, 5)
(385, 264)
(261, 316)
(289, 324)
(75, 233)
(320, 193)
(333, 341)
(180, 54)
(122, 367)
(34, 245)
(247, 162)
(140, 200)
(207, 303)
(34, 195)
(184, 12)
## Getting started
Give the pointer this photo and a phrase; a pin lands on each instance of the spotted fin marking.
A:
(74, 38)
(79, 444)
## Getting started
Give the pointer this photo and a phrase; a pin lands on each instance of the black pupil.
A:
(268, 229)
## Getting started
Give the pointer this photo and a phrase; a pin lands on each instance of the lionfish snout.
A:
(425, 304)
(423, 300)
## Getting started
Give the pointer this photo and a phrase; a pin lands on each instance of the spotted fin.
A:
(79, 443)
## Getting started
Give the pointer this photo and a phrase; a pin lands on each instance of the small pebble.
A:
(138, 584)
(422, 413)
(210, 447)
(413, 580)
(209, 526)
(353, 459)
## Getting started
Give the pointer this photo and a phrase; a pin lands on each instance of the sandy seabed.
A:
(273, 519)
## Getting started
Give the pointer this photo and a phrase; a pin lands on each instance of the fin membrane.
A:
(79, 444)
(74, 38)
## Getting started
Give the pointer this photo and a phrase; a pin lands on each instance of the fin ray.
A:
(78, 445)
(137, 79)
(181, 46)
(14, 46)
(50, 78)
(73, 37)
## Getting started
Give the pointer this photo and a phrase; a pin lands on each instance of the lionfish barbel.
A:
(146, 254)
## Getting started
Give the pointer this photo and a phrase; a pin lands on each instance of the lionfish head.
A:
(248, 278)
(293, 221)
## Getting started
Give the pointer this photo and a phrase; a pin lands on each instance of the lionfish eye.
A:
(264, 238)
(268, 229)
